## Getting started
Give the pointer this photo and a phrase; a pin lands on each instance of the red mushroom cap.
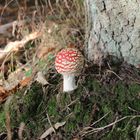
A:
(69, 60)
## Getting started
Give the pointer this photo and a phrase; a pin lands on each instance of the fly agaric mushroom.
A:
(69, 62)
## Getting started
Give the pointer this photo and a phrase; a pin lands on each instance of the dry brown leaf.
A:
(13, 79)
(51, 129)
(71, 45)
(3, 94)
(41, 78)
(2, 90)
(57, 125)
(16, 79)
(25, 82)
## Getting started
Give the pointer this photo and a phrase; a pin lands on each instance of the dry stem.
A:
(90, 130)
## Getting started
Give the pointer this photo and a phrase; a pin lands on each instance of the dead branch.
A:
(90, 130)
(16, 45)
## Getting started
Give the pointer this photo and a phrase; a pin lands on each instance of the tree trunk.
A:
(113, 27)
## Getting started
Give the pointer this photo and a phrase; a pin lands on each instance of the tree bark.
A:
(113, 27)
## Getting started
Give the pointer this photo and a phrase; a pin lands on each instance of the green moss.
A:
(52, 107)
(29, 109)
(2, 121)
(84, 106)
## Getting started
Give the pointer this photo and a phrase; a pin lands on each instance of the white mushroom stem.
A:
(69, 82)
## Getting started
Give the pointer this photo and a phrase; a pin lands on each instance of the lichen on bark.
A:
(113, 27)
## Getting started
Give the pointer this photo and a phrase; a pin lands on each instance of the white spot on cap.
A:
(59, 56)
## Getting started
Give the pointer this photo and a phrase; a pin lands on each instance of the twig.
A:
(6, 5)
(137, 137)
(50, 122)
(50, 130)
(100, 119)
(50, 5)
(133, 109)
(8, 127)
(20, 131)
(91, 130)
(115, 74)
(4, 28)
(73, 102)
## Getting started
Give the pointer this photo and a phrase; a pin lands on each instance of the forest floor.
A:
(106, 104)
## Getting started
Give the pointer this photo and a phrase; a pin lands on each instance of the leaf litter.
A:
(42, 47)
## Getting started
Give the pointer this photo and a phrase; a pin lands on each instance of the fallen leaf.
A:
(41, 79)
(57, 125)
(3, 94)
(25, 82)
(2, 90)
(51, 129)
(71, 45)
(13, 80)
(16, 79)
